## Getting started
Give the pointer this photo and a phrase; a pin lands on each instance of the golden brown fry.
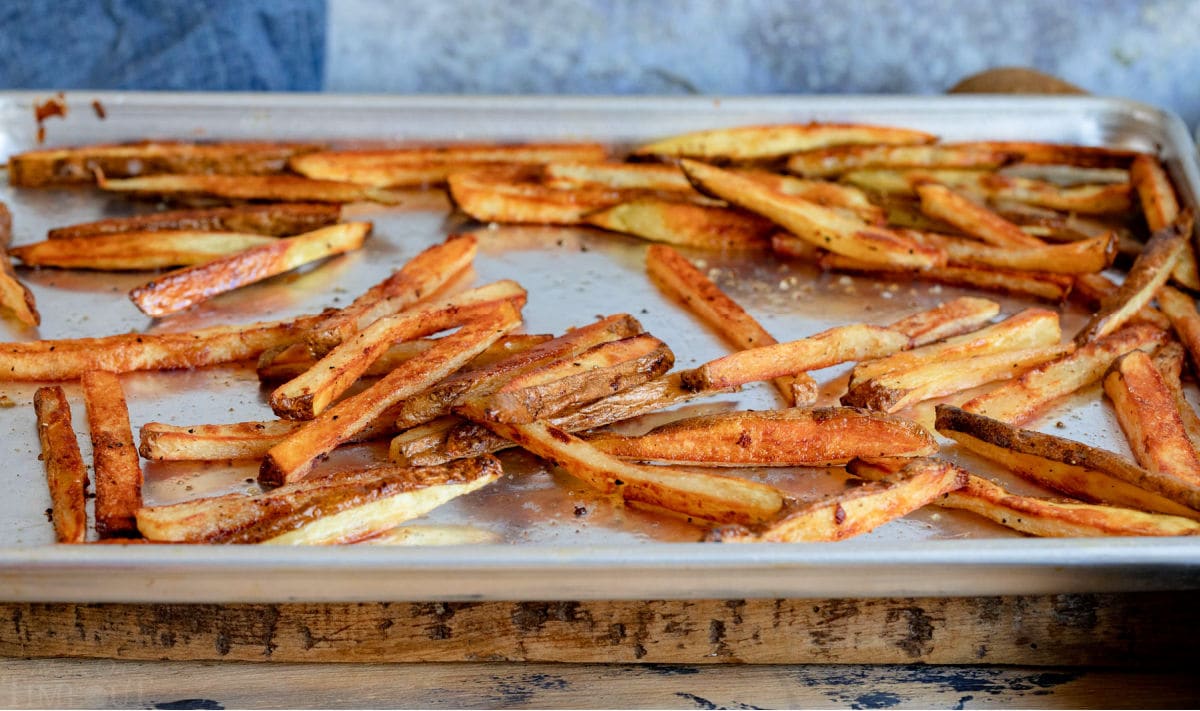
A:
(513, 196)
(276, 188)
(577, 380)
(15, 296)
(1185, 321)
(686, 224)
(423, 166)
(115, 462)
(1169, 362)
(711, 497)
(1019, 401)
(5, 226)
(137, 250)
(341, 508)
(186, 287)
(292, 458)
(275, 220)
(1145, 277)
(66, 474)
(943, 203)
(642, 176)
(858, 510)
(1073, 468)
(1086, 256)
(241, 440)
(1060, 153)
(1161, 208)
(831, 347)
(57, 166)
(1146, 410)
(953, 318)
(1092, 289)
(818, 225)
(826, 436)
(680, 279)
(308, 394)
(822, 192)
(828, 162)
(754, 142)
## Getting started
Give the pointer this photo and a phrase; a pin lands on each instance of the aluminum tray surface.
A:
(554, 539)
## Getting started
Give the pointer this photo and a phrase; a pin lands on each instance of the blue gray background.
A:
(1145, 50)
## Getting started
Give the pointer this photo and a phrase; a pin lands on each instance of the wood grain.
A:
(1146, 629)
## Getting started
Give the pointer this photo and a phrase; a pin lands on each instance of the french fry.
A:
(755, 142)
(953, 318)
(1092, 289)
(677, 276)
(943, 203)
(513, 196)
(1161, 208)
(1074, 468)
(711, 497)
(118, 473)
(15, 296)
(1180, 309)
(423, 166)
(342, 508)
(292, 458)
(1081, 257)
(811, 222)
(1021, 400)
(831, 347)
(275, 220)
(69, 359)
(577, 380)
(310, 393)
(822, 192)
(685, 224)
(1031, 328)
(642, 176)
(58, 166)
(1146, 410)
(829, 162)
(137, 250)
(441, 398)
(276, 188)
(895, 391)
(826, 436)
(1151, 270)
(1169, 362)
(858, 510)
(6, 227)
(66, 474)
(182, 288)
(1032, 152)
(1103, 199)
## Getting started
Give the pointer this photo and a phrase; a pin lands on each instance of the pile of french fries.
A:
(450, 378)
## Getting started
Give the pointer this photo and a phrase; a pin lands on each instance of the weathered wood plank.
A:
(1144, 629)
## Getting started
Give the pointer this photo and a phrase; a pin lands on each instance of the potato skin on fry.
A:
(275, 220)
(115, 462)
(65, 471)
(754, 142)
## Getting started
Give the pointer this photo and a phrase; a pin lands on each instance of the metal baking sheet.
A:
(555, 541)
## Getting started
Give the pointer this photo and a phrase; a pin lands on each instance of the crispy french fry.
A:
(858, 510)
(1074, 468)
(1092, 289)
(115, 460)
(577, 380)
(943, 203)
(69, 359)
(66, 474)
(292, 458)
(1161, 208)
(182, 288)
(895, 391)
(811, 222)
(1021, 400)
(754, 142)
(517, 197)
(277, 188)
(1169, 362)
(1081, 257)
(826, 436)
(1180, 309)
(1146, 410)
(342, 508)
(423, 166)
(275, 220)
(686, 224)
(310, 393)
(822, 192)
(137, 250)
(6, 234)
(642, 176)
(15, 296)
(441, 398)
(680, 279)
(57, 166)
(1145, 277)
(828, 162)
(711, 497)
(953, 318)
(1060, 153)
(1031, 328)
(831, 347)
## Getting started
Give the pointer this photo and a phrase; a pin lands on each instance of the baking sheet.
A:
(556, 540)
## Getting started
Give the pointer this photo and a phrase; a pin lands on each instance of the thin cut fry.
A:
(182, 288)
(278, 188)
(643, 176)
(137, 250)
(686, 224)
(1169, 362)
(828, 162)
(1110, 199)
(65, 473)
(1061, 153)
(822, 192)
(953, 318)
(754, 142)
(515, 197)
(1086, 256)
(1092, 289)
(943, 203)
(15, 296)
(1181, 310)
(1161, 208)
(115, 463)
(275, 220)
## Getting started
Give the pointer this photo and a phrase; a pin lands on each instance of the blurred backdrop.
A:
(1146, 50)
